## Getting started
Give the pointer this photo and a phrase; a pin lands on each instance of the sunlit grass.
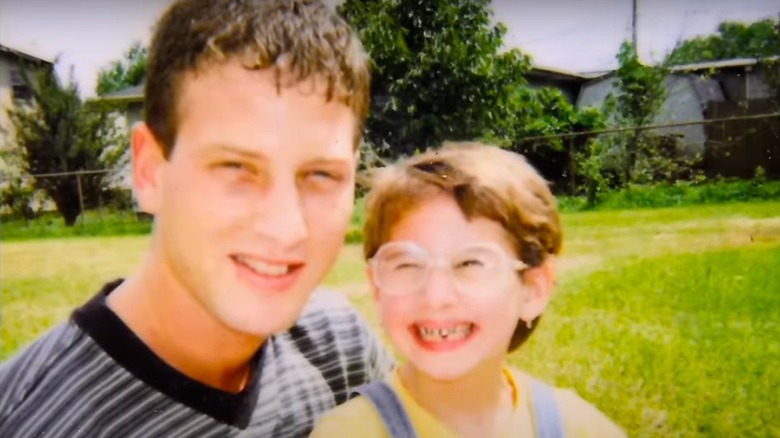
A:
(676, 345)
(666, 319)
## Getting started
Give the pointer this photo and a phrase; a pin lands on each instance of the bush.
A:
(92, 223)
(677, 194)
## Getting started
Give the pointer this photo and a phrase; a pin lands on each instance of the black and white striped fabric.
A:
(92, 377)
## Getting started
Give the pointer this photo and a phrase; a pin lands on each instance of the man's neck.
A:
(473, 405)
(170, 321)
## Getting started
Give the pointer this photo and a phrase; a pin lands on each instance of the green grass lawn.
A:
(675, 345)
(666, 319)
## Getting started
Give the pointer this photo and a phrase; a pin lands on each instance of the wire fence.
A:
(735, 141)
(78, 202)
(738, 145)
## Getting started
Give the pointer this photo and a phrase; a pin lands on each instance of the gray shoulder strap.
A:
(390, 408)
(548, 417)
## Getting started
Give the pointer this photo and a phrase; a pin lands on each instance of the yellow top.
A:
(359, 418)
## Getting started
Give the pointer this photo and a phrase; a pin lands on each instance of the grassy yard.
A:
(666, 319)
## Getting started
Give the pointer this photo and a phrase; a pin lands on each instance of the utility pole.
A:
(633, 27)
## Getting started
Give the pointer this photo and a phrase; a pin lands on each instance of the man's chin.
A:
(264, 321)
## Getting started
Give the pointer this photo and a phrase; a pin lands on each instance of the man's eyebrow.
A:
(237, 150)
(328, 161)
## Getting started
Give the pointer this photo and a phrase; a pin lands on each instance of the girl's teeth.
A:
(263, 268)
(445, 334)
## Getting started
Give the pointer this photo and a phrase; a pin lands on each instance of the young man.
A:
(246, 159)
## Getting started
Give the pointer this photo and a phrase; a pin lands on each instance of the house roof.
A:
(725, 63)
(689, 68)
(556, 73)
(596, 73)
(128, 94)
(20, 54)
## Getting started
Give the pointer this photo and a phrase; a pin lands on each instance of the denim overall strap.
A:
(390, 408)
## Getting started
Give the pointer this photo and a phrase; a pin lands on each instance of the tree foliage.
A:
(642, 92)
(733, 40)
(633, 156)
(60, 133)
(541, 115)
(771, 68)
(439, 72)
(128, 71)
(641, 88)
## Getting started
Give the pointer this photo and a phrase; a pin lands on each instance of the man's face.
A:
(252, 206)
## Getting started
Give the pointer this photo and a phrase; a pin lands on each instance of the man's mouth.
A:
(276, 270)
(260, 267)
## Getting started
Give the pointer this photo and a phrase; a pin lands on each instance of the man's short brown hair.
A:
(485, 181)
(308, 37)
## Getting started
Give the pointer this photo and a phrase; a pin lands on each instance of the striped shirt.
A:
(92, 376)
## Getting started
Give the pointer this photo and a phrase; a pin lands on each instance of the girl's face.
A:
(449, 290)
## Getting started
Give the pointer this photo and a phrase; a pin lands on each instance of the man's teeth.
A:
(445, 334)
(263, 268)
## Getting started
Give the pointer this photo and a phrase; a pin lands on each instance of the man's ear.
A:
(538, 285)
(148, 163)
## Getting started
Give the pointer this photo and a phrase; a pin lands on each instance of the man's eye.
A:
(324, 174)
(235, 165)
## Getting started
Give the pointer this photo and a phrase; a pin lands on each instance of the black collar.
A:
(130, 352)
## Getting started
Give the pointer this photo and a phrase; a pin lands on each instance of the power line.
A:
(648, 127)
(567, 31)
(75, 172)
(633, 27)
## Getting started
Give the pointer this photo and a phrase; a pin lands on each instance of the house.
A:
(13, 89)
(128, 105)
(702, 92)
(568, 82)
(129, 102)
(15, 92)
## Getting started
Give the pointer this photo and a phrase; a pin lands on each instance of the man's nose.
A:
(282, 218)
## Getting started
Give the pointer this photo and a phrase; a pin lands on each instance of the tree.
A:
(771, 70)
(541, 114)
(635, 156)
(642, 94)
(759, 39)
(771, 73)
(60, 133)
(126, 72)
(438, 72)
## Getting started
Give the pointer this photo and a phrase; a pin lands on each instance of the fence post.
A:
(572, 168)
(81, 197)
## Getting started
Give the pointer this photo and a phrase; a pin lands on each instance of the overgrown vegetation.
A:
(438, 72)
(615, 161)
(759, 39)
(128, 71)
(677, 194)
(60, 133)
(93, 223)
(441, 73)
(111, 222)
